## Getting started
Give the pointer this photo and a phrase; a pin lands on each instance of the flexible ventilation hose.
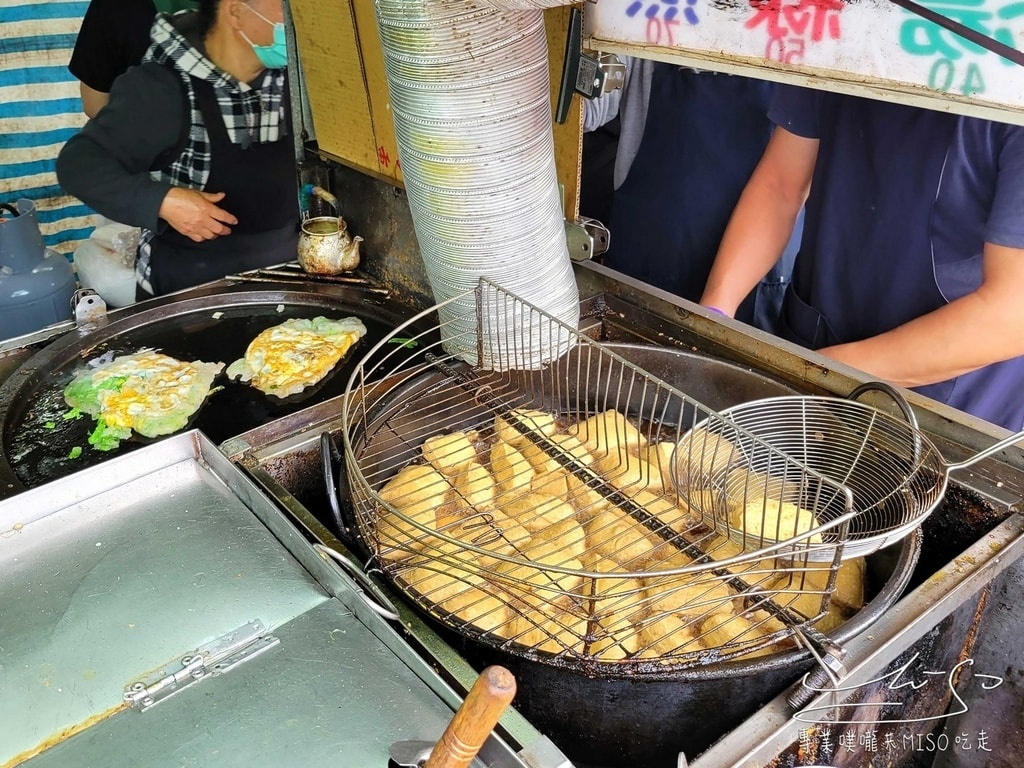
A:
(470, 100)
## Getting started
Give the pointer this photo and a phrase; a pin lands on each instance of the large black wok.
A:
(37, 443)
(615, 717)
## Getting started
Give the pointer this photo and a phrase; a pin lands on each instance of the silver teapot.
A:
(325, 246)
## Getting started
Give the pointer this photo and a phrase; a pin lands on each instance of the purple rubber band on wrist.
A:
(716, 310)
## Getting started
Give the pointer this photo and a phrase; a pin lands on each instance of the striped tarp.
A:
(40, 109)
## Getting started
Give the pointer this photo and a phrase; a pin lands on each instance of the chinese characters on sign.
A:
(951, 71)
(791, 27)
(877, 43)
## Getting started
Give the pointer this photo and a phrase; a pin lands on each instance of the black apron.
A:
(703, 136)
(261, 191)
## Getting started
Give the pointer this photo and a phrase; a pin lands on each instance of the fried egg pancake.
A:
(148, 392)
(288, 358)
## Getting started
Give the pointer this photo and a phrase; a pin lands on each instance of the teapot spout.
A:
(350, 254)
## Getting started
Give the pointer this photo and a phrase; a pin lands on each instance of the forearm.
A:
(758, 232)
(92, 100)
(983, 327)
(763, 220)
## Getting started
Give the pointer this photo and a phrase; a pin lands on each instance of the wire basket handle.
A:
(892, 392)
(901, 403)
(993, 449)
(908, 413)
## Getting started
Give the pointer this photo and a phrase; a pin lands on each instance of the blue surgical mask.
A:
(275, 55)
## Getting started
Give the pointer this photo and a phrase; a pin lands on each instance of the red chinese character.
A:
(781, 18)
(769, 12)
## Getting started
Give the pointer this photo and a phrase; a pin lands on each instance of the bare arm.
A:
(763, 220)
(92, 100)
(981, 328)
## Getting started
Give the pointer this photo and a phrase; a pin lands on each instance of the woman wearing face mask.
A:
(193, 147)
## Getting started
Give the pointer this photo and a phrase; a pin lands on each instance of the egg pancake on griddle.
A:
(148, 392)
(298, 353)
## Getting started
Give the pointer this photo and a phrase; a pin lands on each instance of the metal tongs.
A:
(458, 746)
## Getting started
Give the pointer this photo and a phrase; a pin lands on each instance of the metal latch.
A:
(586, 238)
(582, 74)
(209, 660)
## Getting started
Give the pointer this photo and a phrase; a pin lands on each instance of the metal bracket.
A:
(586, 238)
(209, 660)
(829, 672)
(582, 74)
(89, 307)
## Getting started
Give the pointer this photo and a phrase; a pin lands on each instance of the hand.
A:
(193, 214)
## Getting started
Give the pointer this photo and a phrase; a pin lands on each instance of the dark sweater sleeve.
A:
(107, 164)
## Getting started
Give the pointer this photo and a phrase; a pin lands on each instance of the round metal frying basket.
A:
(531, 508)
(837, 455)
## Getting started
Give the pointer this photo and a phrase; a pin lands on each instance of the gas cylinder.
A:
(36, 283)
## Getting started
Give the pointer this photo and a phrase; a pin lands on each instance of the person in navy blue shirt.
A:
(912, 262)
(688, 142)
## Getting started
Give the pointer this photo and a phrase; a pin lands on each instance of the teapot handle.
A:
(8, 207)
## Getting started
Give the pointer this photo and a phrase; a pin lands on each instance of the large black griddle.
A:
(212, 328)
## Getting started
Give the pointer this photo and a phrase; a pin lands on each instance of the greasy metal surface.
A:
(37, 441)
(380, 213)
(774, 729)
(995, 711)
(328, 695)
(118, 570)
(880, 725)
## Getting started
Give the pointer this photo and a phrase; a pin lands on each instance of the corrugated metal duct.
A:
(470, 99)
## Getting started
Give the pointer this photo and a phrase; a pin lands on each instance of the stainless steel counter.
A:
(160, 610)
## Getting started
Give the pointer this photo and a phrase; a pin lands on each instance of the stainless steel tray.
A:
(112, 575)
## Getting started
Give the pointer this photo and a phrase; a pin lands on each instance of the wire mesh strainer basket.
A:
(889, 472)
(537, 506)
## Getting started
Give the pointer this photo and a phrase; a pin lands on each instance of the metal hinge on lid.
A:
(209, 660)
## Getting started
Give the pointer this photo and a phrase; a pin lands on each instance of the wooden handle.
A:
(492, 692)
